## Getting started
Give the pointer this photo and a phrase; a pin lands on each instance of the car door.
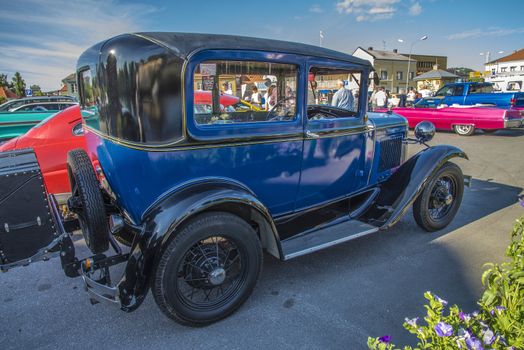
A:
(335, 134)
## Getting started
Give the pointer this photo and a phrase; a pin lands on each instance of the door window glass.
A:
(333, 93)
(231, 92)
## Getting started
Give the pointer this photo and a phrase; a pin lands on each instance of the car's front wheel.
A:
(440, 200)
(464, 129)
(208, 269)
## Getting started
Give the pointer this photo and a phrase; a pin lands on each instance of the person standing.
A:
(381, 98)
(227, 90)
(256, 97)
(425, 92)
(373, 99)
(402, 98)
(412, 95)
(343, 98)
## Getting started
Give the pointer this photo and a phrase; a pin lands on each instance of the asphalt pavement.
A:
(332, 299)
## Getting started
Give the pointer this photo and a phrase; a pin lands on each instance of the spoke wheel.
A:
(208, 269)
(464, 130)
(440, 200)
(211, 273)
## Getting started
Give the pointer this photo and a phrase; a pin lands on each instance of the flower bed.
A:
(499, 323)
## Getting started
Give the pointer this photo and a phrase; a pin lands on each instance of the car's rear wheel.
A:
(440, 200)
(208, 269)
(86, 201)
(464, 129)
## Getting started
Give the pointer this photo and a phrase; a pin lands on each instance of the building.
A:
(425, 63)
(69, 87)
(507, 72)
(6, 94)
(391, 67)
(435, 79)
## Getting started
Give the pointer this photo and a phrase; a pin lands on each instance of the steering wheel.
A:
(279, 105)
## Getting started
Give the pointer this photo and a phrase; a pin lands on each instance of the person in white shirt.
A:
(382, 98)
(256, 97)
(227, 90)
(425, 92)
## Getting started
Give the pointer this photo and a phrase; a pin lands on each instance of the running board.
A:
(326, 237)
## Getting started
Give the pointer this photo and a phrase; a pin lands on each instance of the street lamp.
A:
(425, 37)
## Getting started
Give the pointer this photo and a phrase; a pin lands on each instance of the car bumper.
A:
(513, 123)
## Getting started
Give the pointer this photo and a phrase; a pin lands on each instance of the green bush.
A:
(499, 323)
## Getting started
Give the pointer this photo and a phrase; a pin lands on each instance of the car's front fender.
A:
(399, 192)
(164, 218)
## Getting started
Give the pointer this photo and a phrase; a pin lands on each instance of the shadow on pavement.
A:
(371, 284)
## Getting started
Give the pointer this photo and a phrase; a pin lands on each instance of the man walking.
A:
(343, 98)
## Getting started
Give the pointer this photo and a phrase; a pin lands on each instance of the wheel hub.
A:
(217, 276)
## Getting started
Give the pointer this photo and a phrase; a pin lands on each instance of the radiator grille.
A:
(390, 154)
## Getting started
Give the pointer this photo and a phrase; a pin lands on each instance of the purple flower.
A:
(497, 309)
(384, 339)
(464, 317)
(443, 329)
(412, 322)
(488, 337)
(474, 344)
(464, 333)
(442, 301)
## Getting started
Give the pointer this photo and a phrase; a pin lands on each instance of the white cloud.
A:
(316, 9)
(49, 38)
(368, 10)
(491, 31)
(415, 9)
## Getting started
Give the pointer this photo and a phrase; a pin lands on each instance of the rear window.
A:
(481, 89)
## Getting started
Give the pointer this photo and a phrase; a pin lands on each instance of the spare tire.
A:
(86, 201)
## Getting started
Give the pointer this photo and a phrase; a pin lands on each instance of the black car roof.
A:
(183, 44)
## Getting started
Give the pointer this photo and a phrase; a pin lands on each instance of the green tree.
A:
(37, 91)
(3, 80)
(18, 84)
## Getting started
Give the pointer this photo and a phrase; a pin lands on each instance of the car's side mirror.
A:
(424, 131)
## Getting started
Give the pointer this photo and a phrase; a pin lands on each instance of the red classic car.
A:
(51, 139)
(464, 119)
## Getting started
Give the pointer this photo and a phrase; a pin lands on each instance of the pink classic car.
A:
(464, 119)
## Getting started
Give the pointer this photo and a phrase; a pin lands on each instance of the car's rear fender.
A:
(164, 219)
(399, 192)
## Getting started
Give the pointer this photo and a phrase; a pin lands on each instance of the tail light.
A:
(513, 102)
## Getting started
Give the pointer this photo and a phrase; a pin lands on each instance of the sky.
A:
(43, 39)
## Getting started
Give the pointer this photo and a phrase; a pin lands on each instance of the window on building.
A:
(512, 68)
(400, 75)
(503, 69)
(230, 92)
(411, 75)
(522, 68)
(383, 75)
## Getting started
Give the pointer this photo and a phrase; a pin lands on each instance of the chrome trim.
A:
(513, 123)
(329, 244)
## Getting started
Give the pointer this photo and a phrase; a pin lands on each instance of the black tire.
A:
(180, 259)
(464, 130)
(433, 195)
(86, 201)
(489, 131)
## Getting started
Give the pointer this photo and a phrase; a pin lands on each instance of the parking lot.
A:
(332, 299)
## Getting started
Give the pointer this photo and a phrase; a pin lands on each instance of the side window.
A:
(86, 91)
(333, 93)
(231, 92)
(481, 89)
(459, 90)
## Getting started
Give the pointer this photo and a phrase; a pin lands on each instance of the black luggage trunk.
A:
(26, 223)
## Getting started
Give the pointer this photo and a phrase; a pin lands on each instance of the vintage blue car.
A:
(189, 193)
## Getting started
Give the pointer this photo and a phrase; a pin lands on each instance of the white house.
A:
(507, 72)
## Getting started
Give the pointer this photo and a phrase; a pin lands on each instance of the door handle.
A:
(312, 134)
